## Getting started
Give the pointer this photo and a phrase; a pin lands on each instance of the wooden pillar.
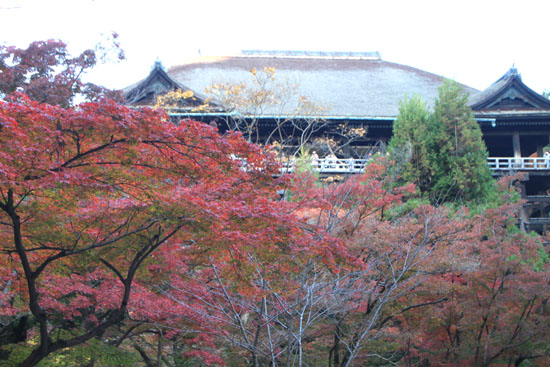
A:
(516, 144)
(523, 215)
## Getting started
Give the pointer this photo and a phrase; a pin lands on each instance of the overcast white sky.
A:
(473, 42)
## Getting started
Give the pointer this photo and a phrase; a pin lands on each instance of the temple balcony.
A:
(510, 164)
(498, 165)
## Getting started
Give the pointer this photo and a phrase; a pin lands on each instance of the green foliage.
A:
(99, 352)
(303, 172)
(407, 207)
(442, 152)
(410, 145)
(303, 162)
(542, 260)
(460, 167)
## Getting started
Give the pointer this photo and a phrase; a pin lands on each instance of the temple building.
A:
(347, 92)
(357, 90)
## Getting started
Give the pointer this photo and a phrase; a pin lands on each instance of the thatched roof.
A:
(354, 85)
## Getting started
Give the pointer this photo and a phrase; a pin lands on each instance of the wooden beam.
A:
(537, 198)
(509, 133)
(516, 144)
(538, 221)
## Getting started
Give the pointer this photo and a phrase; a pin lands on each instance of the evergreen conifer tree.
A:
(441, 152)
(458, 154)
(410, 145)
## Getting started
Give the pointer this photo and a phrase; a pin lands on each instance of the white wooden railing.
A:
(518, 164)
(331, 165)
(350, 165)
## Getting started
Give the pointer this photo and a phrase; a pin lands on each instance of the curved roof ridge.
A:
(146, 88)
(511, 87)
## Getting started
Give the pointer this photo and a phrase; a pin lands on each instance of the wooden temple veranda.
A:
(362, 91)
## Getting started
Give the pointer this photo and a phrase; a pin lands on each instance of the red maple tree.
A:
(48, 73)
(100, 203)
(494, 280)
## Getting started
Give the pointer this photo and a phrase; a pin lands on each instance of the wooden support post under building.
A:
(516, 144)
(523, 215)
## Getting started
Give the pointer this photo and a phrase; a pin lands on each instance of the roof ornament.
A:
(158, 65)
(513, 72)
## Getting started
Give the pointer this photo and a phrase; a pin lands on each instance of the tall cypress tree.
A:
(409, 146)
(442, 152)
(458, 153)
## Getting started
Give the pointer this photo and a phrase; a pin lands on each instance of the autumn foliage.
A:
(127, 239)
(48, 73)
(171, 241)
(495, 312)
(101, 205)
